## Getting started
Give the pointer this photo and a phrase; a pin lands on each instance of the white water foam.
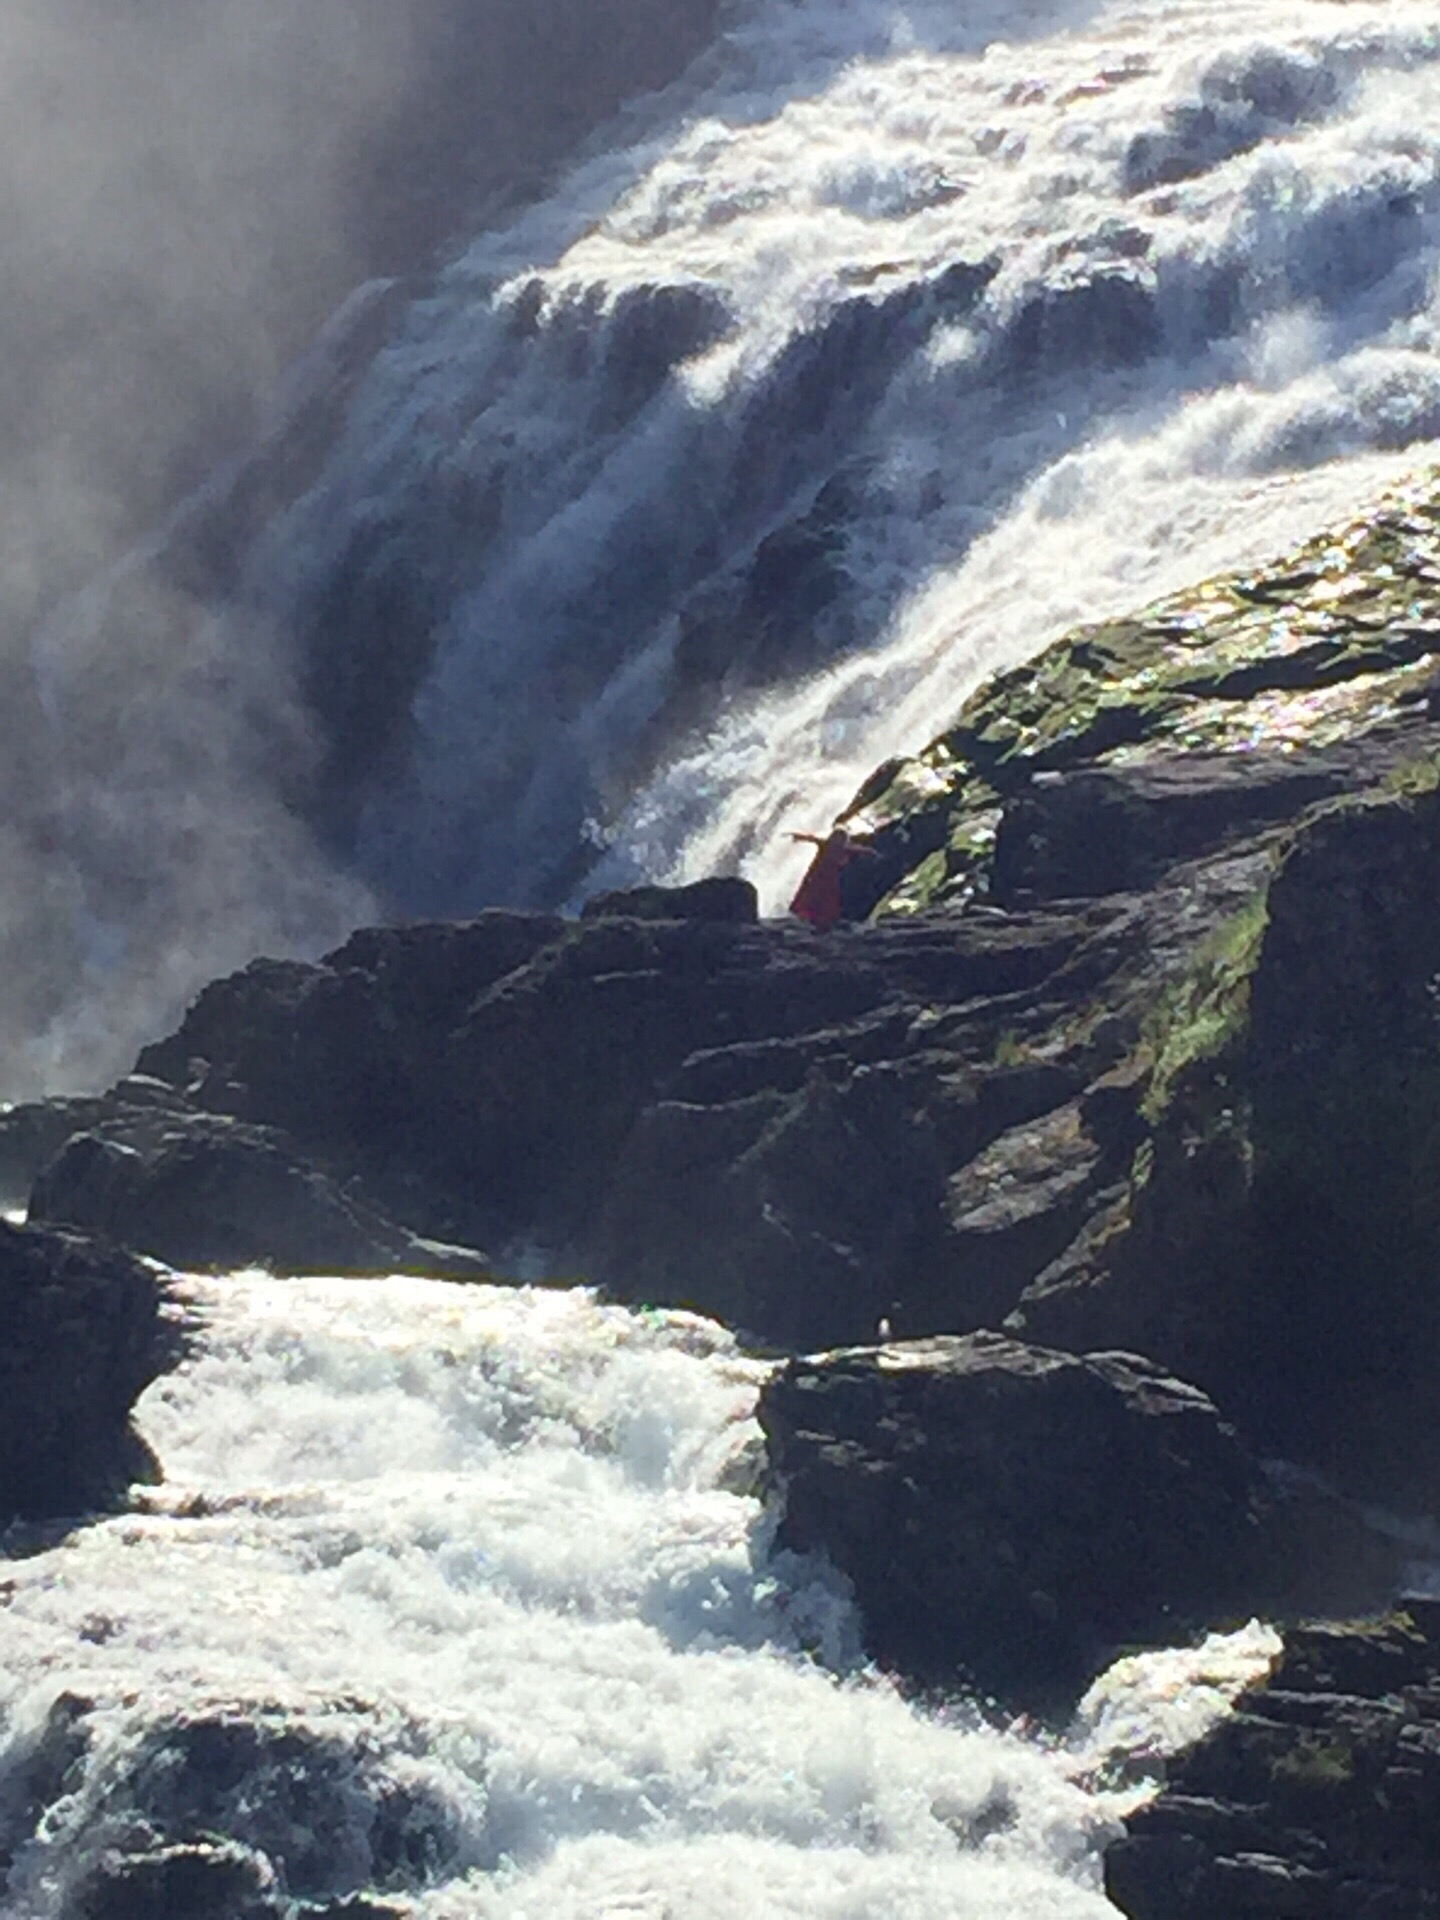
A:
(499, 1540)
(1254, 187)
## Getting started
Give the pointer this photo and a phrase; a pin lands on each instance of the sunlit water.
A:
(501, 1546)
(1213, 231)
(1247, 189)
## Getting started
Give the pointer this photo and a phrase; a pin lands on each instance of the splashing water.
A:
(457, 1592)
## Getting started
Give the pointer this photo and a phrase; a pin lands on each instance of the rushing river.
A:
(464, 1594)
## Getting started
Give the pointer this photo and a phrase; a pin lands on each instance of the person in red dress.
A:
(817, 899)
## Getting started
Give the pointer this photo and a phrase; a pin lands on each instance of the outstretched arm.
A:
(814, 838)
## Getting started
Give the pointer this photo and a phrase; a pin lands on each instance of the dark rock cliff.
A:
(84, 1333)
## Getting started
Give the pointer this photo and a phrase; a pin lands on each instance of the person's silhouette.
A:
(817, 898)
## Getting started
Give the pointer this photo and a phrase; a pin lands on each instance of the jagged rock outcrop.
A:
(204, 1190)
(1010, 1516)
(526, 1077)
(85, 1332)
(1317, 1800)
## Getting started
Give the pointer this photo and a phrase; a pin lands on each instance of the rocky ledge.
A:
(86, 1330)
(1134, 1054)
(1317, 1800)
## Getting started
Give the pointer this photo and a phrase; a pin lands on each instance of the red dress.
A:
(817, 899)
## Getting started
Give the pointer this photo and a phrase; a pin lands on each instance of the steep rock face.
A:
(1318, 1799)
(1278, 1238)
(1010, 1515)
(84, 1334)
(1270, 1234)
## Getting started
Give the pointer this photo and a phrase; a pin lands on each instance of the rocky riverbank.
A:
(1315, 1801)
(1103, 1144)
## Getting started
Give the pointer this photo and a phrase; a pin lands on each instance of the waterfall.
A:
(884, 346)
(920, 336)
(463, 1595)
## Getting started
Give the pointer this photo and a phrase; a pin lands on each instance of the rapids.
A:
(463, 1593)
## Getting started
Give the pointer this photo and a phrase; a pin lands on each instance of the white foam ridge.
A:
(1206, 320)
(494, 1556)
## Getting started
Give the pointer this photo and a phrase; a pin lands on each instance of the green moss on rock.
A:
(1205, 1012)
(1328, 642)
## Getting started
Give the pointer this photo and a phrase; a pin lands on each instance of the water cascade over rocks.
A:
(454, 1602)
(883, 347)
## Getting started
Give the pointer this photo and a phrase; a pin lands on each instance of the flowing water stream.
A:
(464, 1594)
(1206, 319)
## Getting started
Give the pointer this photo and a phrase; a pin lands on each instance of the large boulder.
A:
(84, 1332)
(1319, 1799)
(201, 1190)
(1009, 1516)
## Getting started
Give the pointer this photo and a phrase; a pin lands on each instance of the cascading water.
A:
(927, 333)
(893, 342)
(888, 344)
(458, 1594)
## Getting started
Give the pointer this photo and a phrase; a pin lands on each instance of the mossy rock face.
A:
(1279, 1233)
(1332, 640)
(1250, 771)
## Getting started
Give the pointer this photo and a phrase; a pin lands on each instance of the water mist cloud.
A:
(187, 189)
(177, 213)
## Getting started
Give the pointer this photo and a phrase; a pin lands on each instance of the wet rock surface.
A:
(1317, 1800)
(231, 1813)
(1010, 1516)
(84, 1334)
(208, 1880)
